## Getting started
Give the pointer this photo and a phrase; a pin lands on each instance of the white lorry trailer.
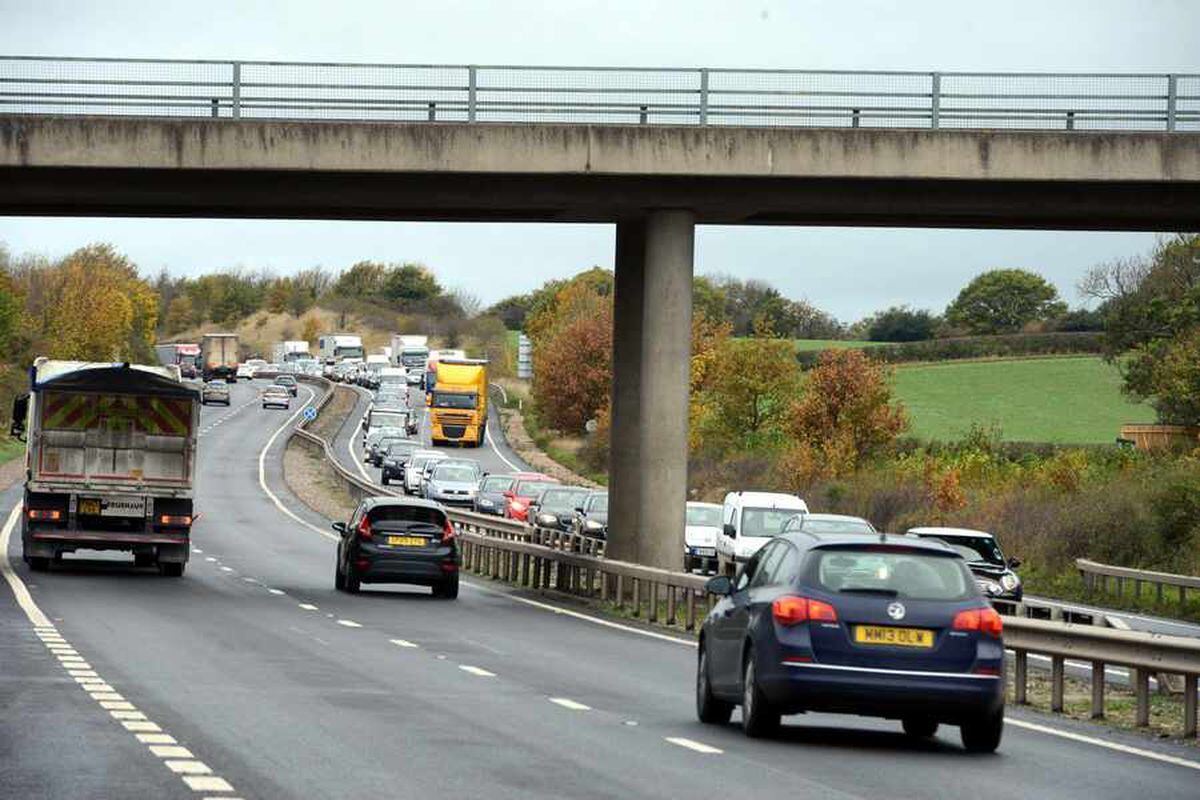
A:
(340, 347)
(290, 350)
(219, 357)
(110, 462)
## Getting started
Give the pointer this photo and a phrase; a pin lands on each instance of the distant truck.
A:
(288, 351)
(431, 362)
(219, 357)
(410, 351)
(184, 356)
(340, 347)
(111, 462)
(458, 402)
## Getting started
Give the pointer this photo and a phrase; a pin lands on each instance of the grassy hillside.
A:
(257, 333)
(1062, 400)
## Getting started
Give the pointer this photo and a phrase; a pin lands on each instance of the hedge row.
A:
(1002, 346)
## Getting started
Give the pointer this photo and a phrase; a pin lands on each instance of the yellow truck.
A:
(458, 402)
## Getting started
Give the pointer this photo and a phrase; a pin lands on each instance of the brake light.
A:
(364, 528)
(167, 519)
(448, 532)
(984, 620)
(792, 610)
(52, 515)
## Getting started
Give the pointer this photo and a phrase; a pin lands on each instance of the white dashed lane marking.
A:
(692, 744)
(479, 671)
(404, 643)
(349, 623)
(570, 704)
(308, 607)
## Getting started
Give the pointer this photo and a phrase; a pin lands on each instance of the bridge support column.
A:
(651, 374)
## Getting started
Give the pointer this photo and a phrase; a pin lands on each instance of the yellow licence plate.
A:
(896, 637)
(406, 541)
(89, 507)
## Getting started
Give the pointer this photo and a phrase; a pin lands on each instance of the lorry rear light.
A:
(169, 519)
(984, 620)
(50, 514)
(364, 529)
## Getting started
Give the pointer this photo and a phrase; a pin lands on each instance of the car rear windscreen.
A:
(532, 488)
(704, 515)
(416, 515)
(454, 474)
(902, 573)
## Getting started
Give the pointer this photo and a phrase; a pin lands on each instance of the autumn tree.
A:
(844, 415)
(310, 329)
(574, 370)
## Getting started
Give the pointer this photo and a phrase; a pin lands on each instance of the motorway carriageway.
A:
(251, 677)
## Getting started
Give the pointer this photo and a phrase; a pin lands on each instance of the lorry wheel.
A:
(39, 563)
(171, 569)
(143, 559)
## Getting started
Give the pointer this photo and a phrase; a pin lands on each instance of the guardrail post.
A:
(1189, 706)
(1171, 97)
(216, 108)
(1137, 590)
(671, 612)
(935, 98)
(1070, 120)
(703, 96)
(1141, 682)
(432, 112)
(620, 592)
(637, 597)
(471, 86)
(237, 90)
(1097, 690)
(643, 114)
(1056, 683)
(1020, 677)
(1158, 593)
(854, 112)
(653, 616)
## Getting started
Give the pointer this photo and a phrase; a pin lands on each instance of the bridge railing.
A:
(599, 95)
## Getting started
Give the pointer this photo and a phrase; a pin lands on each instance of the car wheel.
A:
(708, 708)
(352, 581)
(758, 718)
(982, 735)
(339, 580)
(171, 569)
(447, 589)
(920, 727)
(39, 563)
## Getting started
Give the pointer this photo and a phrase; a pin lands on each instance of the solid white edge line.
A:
(487, 437)
(1118, 747)
(262, 468)
(691, 744)
(354, 456)
(19, 589)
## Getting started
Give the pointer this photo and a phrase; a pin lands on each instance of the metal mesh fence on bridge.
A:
(598, 95)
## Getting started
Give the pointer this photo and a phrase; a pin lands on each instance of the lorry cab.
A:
(749, 521)
(458, 402)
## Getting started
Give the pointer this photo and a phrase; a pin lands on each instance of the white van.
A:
(751, 519)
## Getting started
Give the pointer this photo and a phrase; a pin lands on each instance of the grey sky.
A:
(847, 271)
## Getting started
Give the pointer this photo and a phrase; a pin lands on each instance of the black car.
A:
(397, 540)
(882, 626)
(995, 575)
(375, 455)
(555, 508)
(490, 497)
(288, 382)
(392, 459)
(591, 516)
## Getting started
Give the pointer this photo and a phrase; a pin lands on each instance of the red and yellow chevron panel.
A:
(156, 416)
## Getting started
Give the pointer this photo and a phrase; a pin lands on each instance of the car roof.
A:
(835, 518)
(460, 462)
(936, 531)
(777, 500)
(810, 541)
(698, 504)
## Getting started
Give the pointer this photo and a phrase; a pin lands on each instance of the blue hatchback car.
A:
(873, 625)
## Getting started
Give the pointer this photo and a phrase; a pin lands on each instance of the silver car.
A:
(415, 467)
(453, 483)
(214, 392)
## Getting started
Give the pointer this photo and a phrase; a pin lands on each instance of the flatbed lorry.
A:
(110, 462)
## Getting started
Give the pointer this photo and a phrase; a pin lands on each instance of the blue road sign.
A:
(310, 413)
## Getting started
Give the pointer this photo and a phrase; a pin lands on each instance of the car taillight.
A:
(791, 610)
(984, 620)
(364, 528)
(46, 514)
(448, 532)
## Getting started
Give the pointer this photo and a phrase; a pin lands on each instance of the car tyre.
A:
(339, 579)
(447, 589)
(171, 569)
(709, 709)
(920, 727)
(759, 719)
(982, 735)
(352, 582)
(39, 563)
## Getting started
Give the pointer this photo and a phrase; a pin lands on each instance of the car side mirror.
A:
(730, 531)
(20, 410)
(1014, 562)
(719, 585)
(340, 527)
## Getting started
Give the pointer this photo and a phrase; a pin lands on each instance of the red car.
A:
(525, 489)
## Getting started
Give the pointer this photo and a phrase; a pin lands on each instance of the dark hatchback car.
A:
(591, 516)
(490, 498)
(555, 508)
(288, 382)
(881, 626)
(393, 459)
(995, 575)
(397, 540)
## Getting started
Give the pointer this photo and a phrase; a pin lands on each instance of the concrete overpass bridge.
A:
(655, 152)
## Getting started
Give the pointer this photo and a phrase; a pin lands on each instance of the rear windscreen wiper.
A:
(869, 590)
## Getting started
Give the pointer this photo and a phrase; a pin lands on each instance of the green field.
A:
(1060, 400)
(832, 344)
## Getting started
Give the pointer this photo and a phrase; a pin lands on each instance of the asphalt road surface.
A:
(251, 677)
